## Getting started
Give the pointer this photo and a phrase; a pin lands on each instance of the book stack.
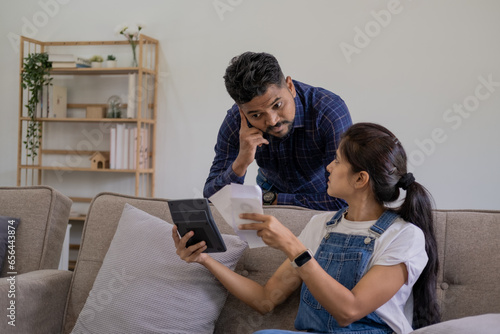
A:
(123, 144)
(67, 61)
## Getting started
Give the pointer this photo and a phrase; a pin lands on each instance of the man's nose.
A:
(272, 118)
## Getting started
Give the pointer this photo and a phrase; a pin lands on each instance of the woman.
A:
(374, 268)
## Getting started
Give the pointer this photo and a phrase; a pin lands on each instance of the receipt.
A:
(234, 199)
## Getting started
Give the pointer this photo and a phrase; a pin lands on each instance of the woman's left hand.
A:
(272, 232)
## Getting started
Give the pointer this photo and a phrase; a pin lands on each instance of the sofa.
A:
(43, 213)
(468, 284)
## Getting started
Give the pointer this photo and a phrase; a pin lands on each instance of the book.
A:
(125, 147)
(120, 128)
(83, 62)
(79, 62)
(132, 145)
(143, 148)
(131, 103)
(57, 102)
(44, 101)
(112, 149)
(60, 64)
(55, 57)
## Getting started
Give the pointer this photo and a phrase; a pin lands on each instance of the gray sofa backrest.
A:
(468, 251)
(44, 214)
(469, 277)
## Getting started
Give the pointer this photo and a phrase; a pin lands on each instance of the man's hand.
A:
(250, 138)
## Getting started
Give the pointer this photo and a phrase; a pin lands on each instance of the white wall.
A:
(419, 63)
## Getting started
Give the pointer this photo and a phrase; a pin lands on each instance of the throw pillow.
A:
(8, 227)
(144, 287)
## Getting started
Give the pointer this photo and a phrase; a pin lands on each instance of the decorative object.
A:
(35, 76)
(111, 61)
(58, 102)
(131, 33)
(114, 105)
(96, 61)
(99, 160)
(95, 112)
(152, 289)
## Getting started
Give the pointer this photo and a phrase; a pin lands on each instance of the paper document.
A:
(234, 199)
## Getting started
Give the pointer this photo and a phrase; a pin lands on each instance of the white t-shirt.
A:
(402, 242)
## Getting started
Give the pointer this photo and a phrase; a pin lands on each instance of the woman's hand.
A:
(192, 253)
(273, 233)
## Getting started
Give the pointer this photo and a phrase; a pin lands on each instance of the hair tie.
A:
(405, 181)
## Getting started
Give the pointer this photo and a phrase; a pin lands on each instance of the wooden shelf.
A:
(92, 120)
(61, 137)
(78, 169)
(99, 71)
(77, 152)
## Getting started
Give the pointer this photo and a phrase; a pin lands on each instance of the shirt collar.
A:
(299, 113)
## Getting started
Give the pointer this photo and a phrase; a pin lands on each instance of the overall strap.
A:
(384, 222)
(336, 217)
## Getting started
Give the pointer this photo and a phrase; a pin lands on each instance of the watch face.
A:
(268, 196)
(302, 259)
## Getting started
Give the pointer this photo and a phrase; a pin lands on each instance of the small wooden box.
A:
(96, 112)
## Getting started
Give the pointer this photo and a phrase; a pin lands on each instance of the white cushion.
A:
(144, 287)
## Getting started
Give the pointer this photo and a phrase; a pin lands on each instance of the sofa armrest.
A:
(34, 301)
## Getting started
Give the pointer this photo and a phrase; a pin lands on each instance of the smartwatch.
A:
(302, 258)
(268, 197)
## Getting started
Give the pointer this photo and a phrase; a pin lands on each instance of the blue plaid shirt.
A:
(295, 164)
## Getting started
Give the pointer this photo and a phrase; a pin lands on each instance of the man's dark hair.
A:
(249, 75)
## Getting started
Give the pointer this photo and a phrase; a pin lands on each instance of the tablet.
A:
(195, 215)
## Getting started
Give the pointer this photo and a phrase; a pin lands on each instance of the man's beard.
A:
(270, 129)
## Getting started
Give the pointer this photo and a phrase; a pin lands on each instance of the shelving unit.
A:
(57, 132)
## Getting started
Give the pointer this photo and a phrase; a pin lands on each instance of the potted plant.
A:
(111, 61)
(35, 75)
(96, 61)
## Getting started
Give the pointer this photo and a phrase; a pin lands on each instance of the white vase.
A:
(110, 63)
(96, 64)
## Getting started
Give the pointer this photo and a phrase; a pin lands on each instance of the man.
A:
(291, 129)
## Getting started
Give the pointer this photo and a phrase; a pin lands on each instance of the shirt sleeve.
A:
(407, 247)
(314, 231)
(226, 151)
(333, 120)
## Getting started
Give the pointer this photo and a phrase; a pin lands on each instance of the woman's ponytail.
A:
(417, 209)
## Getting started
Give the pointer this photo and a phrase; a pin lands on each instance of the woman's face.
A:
(341, 178)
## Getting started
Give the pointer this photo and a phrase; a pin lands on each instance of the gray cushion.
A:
(144, 287)
(484, 324)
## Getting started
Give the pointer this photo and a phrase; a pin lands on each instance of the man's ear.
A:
(290, 86)
(362, 180)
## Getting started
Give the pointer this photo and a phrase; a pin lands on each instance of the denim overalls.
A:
(345, 258)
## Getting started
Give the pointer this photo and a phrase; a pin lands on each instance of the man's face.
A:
(274, 111)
